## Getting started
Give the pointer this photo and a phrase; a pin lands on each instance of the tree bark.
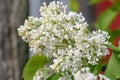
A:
(13, 51)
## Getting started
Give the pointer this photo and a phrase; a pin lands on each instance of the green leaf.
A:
(113, 68)
(116, 6)
(92, 2)
(106, 18)
(74, 5)
(98, 68)
(35, 63)
(114, 34)
(54, 76)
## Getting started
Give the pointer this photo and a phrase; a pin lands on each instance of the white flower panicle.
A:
(66, 38)
(83, 74)
(52, 29)
(87, 50)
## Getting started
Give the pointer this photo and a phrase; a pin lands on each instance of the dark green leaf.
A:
(54, 76)
(92, 68)
(74, 5)
(91, 2)
(35, 63)
(113, 68)
(116, 6)
(98, 68)
(114, 34)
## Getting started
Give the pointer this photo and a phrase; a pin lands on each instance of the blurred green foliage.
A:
(106, 18)
(91, 2)
(74, 5)
(113, 69)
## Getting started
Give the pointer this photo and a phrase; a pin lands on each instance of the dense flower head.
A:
(83, 74)
(65, 38)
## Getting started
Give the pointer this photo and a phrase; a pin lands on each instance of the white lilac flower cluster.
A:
(84, 74)
(65, 38)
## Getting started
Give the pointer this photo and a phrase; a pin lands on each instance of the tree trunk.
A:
(13, 51)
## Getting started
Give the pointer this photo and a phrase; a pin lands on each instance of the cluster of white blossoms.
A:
(83, 74)
(65, 38)
(86, 51)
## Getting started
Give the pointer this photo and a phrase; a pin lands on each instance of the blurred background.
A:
(14, 53)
